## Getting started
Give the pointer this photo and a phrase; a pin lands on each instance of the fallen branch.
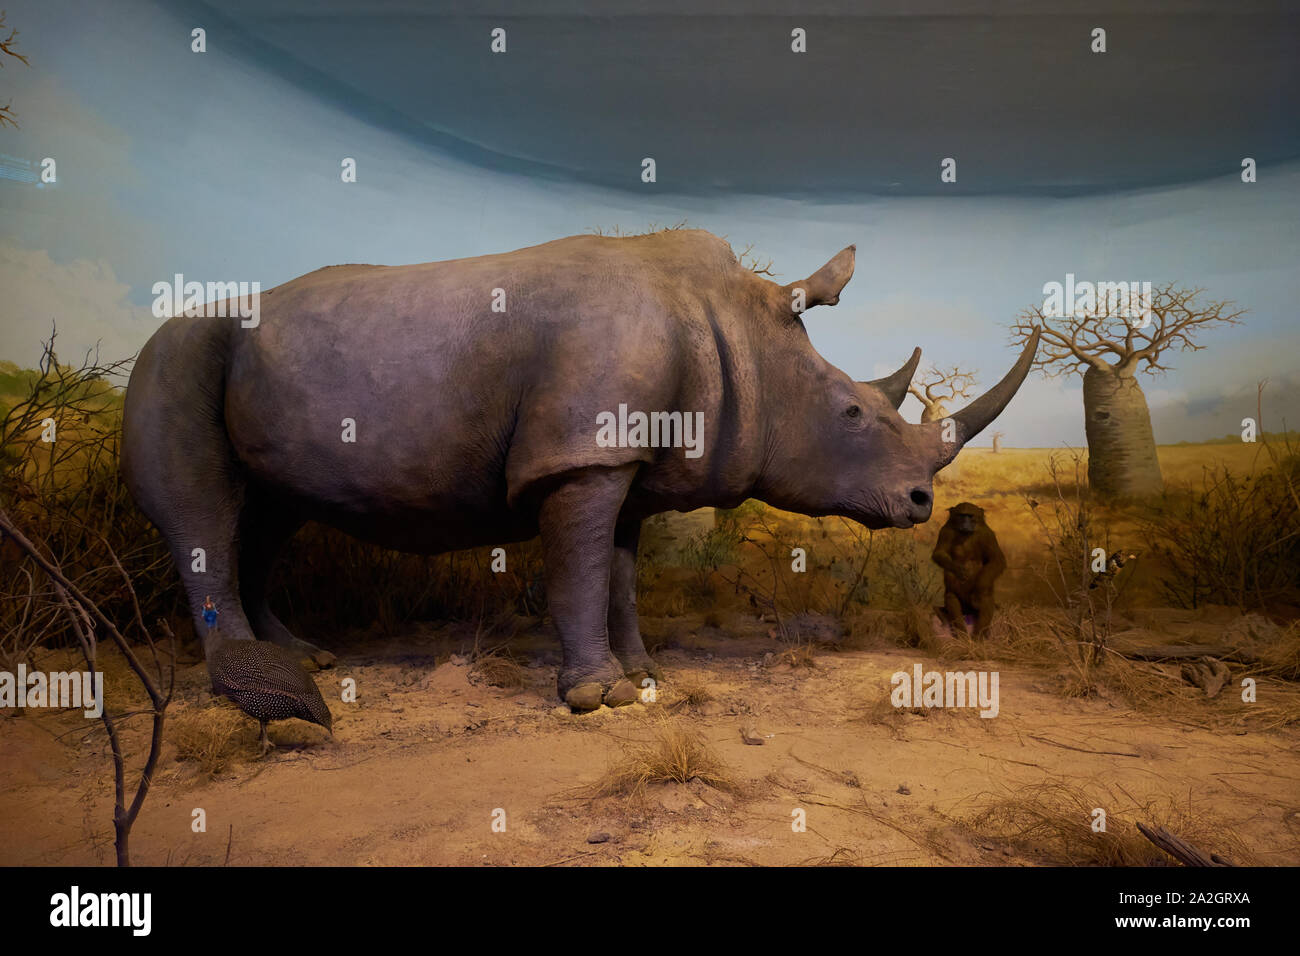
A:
(1180, 849)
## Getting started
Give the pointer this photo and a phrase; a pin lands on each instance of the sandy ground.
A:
(429, 756)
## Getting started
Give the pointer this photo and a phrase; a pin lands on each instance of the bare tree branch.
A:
(942, 385)
(7, 44)
(1074, 342)
(7, 49)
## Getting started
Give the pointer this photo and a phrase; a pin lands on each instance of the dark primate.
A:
(396, 404)
(968, 552)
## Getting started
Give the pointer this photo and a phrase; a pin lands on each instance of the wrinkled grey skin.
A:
(476, 427)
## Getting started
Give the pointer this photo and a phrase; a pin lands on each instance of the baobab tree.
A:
(938, 387)
(1108, 343)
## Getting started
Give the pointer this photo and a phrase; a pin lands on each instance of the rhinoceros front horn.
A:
(895, 386)
(976, 416)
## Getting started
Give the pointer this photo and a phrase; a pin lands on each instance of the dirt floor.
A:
(433, 765)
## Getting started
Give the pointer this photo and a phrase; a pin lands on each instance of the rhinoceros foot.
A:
(589, 696)
(588, 691)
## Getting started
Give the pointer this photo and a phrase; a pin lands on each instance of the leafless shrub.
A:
(1234, 538)
(837, 552)
(1085, 596)
(86, 617)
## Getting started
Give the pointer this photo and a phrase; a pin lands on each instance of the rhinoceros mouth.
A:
(876, 512)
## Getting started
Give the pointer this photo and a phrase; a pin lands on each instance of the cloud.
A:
(83, 298)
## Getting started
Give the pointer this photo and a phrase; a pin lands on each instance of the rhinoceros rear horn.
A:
(823, 286)
(895, 386)
(976, 416)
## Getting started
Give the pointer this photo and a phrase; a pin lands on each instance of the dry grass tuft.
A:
(210, 737)
(1281, 657)
(1159, 688)
(882, 713)
(675, 753)
(872, 627)
(1052, 823)
(499, 669)
(800, 656)
(1024, 637)
(693, 691)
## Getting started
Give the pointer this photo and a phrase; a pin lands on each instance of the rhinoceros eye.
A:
(853, 411)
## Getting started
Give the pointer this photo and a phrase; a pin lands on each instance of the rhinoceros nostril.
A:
(920, 497)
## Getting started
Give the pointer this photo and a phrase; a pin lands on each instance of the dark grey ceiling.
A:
(885, 91)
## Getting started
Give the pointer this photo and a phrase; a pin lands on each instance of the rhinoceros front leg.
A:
(577, 521)
(624, 628)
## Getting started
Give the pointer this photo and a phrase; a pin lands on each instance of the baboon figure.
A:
(968, 552)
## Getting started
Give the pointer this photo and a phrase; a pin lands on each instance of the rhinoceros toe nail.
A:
(585, 697)
(622, 693)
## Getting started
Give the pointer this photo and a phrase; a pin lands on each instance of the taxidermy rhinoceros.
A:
(570, 389)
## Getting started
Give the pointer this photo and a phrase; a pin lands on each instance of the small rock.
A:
(711, 708)
(600, 836)
(751, 736)
(561, 711)
(903, 789)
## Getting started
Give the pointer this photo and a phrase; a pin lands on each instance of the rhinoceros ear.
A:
(823, 286)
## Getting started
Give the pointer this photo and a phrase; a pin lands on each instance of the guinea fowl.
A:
(268, 683)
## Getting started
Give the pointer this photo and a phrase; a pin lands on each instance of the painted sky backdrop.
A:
(1117, 166)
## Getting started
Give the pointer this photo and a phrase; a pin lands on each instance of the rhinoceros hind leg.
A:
(265, 526)
(181, 469)
(624, 628)
(577, 519)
